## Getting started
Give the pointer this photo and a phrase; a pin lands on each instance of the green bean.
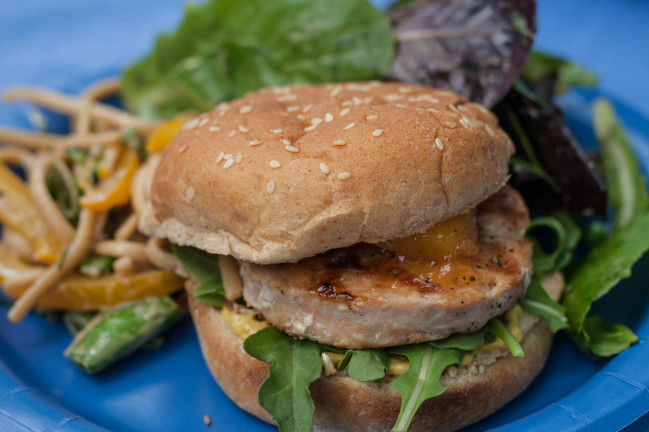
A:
(627, 193)
(115, 333)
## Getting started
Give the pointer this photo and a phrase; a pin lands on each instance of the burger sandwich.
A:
(356, 256)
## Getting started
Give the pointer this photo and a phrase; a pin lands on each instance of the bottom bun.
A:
(341, 403)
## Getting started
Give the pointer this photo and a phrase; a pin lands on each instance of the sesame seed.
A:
(316, 120)
(481, 369)
(182, 149)
(439, 143)
(349, 126)
(310, 128)
(450, 124)
(347, 103)
(430, 99)
(414, 99)
(377, 132)
(405, 89)
(344, 112)
(220, 157)
(367, 99)
(238, 158)
(243, 129)
(371, 117)
(227, 156)
(393, 97)
(255, 142)
(328, 117)
(286, 98)
(228, 163)
(465, 122)
(307, 108)
(453, 108)
(207, 420)
(357, 87)
(340, 142)
(270, 187)
(274, 164)
(357, 100)
(292, 108)
(292, 149)
(286, 142)
(344, 175)
(433, 110)
(335, 91)
(232, 133)
(462, 108)
(301, 117)
(324, 168)
(203, 122)
(190, 124)
(189, 193)
(401, 106)
(214, 129)
(489, 130)
(245, 109)
(276, 131)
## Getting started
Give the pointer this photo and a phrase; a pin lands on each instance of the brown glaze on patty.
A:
(364, 296)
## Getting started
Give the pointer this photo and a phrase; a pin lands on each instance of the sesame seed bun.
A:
(341, 403)
(286, 173)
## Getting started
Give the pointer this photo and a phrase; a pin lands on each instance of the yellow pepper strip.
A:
(19, 212)
(115, 190)
(84, 293)
(162, 136)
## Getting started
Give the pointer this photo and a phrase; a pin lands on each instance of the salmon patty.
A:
(365, 296)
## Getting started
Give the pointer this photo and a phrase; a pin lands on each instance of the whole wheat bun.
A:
(343, 404)
(286, 173)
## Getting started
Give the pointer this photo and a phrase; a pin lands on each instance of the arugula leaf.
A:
(204, 267)
(211, 292)
(627, 192)
(500, 330)
(421, 382)
(224, 49)
(538, 301)
(607, 339)
(564, 74)
(567, 237)
(200, 264)
(462, 341)
(603, 268)
(294, 365)
(365, 365)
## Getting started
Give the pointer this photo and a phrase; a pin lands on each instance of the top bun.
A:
(286, 173)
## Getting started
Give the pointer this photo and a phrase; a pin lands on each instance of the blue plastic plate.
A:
(67, 44)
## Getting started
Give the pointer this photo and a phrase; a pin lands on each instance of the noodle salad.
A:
(70, 224)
